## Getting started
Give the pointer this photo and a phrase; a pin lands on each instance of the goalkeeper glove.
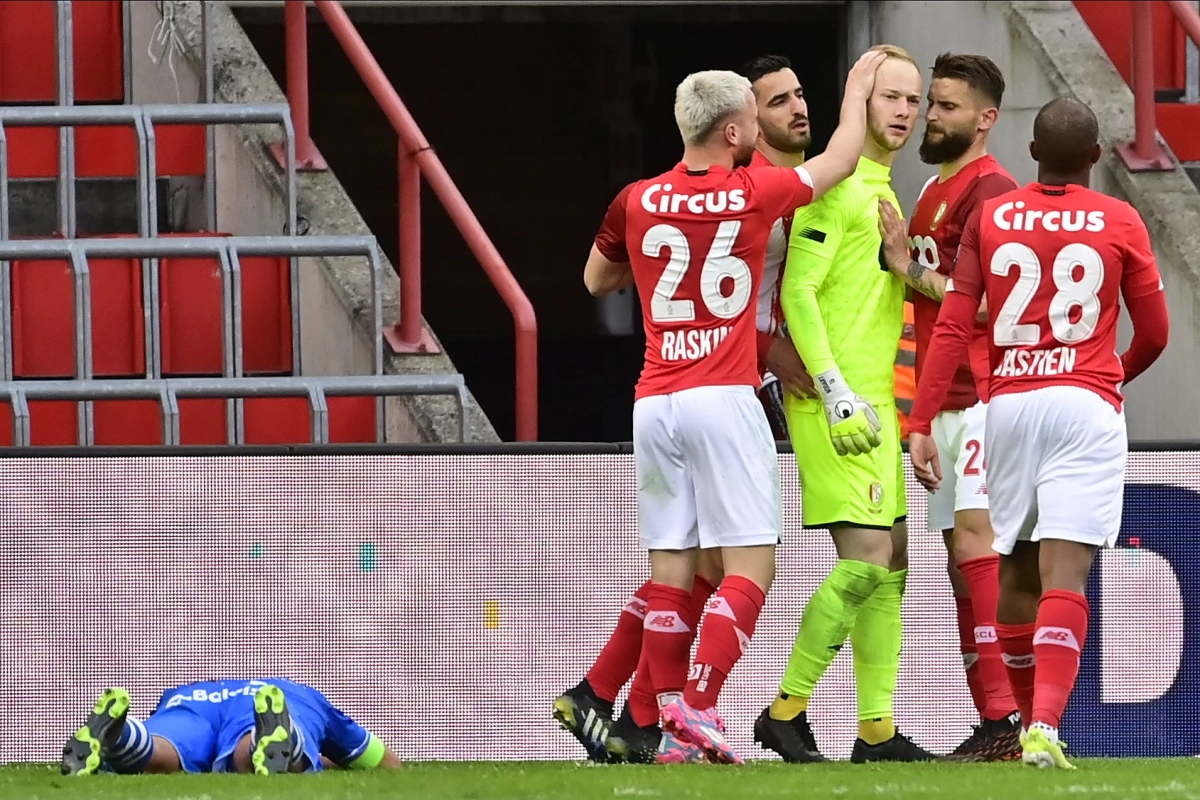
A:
(853, 423)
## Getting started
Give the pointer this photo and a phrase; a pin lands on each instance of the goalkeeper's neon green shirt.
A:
(841, 308)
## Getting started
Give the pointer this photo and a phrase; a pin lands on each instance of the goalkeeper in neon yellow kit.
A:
(845, 316)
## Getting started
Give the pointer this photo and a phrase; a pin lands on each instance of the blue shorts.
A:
(237, 720)
(189, 732)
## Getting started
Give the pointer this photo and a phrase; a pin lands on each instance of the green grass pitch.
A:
(1143, 779)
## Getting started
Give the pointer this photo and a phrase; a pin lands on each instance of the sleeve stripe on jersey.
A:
(805, 178)
(814, 234)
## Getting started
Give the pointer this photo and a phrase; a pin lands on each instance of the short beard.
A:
(786, 145)
(743, 159)
(951, 147)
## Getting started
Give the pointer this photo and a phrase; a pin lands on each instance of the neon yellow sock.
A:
(876, 638)
(828, 618)
(787, 707)
(876, 731)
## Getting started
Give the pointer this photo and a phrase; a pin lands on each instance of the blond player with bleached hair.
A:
(693, 241)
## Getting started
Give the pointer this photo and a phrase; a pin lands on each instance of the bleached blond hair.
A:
(705, 99)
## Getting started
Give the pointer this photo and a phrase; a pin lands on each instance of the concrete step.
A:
(1192, 168)
(102, 206)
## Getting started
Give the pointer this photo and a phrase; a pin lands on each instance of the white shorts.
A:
(959, 436)
(707, 470)
(1056, 467)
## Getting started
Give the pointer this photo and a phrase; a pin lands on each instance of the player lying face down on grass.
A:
(1054, 259)
(251, 726)
(693, 241)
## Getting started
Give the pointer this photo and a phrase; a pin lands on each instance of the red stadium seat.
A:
(28, 51)
(43, 297)
(105, 151)
(190, 290)
(201, 422)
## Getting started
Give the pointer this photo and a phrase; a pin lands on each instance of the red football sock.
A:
(1016, 644)
(728, 625)
(621, 654)
(983, 581)
(970, 654)
(701, 591)
(642, 705)
(1062, 622)
(667, 639)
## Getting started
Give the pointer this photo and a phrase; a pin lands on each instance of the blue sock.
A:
(134, 748)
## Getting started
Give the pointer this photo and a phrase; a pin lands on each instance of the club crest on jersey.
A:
(876, 495)
(937, 216)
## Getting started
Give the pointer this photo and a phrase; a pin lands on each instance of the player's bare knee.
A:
(756, 564)
(164, 758)
(241, 755)
(1064, 565)
(1019, 572)
(710, 566)
(869, 545)
(973, 535)
(899, 557)
(675, 568)
(958, 584)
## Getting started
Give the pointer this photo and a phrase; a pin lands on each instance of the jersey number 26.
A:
(719, 265)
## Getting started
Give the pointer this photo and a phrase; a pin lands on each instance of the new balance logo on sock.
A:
(970, 659)
(1062, 637)
(719, 606)
(666, 622)
(985, 634)
(637, 607)
(1018, 662)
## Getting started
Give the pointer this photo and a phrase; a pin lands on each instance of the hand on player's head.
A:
(922, 450)
(895, 103)
(861, 80)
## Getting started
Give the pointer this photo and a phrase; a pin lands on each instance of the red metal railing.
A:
(416, 161)
(1144, 153)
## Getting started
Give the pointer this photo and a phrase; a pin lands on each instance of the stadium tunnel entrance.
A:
(541, 114)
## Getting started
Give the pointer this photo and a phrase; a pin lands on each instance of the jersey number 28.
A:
(718, 266)
(1078, 274)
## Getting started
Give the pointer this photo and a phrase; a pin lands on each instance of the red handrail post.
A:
(1187, 17)
(295, 37)
(527, 377)
(1144, 154)
(410, 336)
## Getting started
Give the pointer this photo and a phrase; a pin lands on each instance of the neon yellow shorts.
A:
(866, 490)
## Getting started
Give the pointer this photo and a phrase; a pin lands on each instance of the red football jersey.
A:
(696, 242)
(1054, 263)
(934, 231)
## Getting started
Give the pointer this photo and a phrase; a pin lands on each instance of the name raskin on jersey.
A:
(692, 344)
(658, 199)
(1019, 363)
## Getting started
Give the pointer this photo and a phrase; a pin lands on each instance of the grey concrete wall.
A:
(336, 338)
(1046, 50)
